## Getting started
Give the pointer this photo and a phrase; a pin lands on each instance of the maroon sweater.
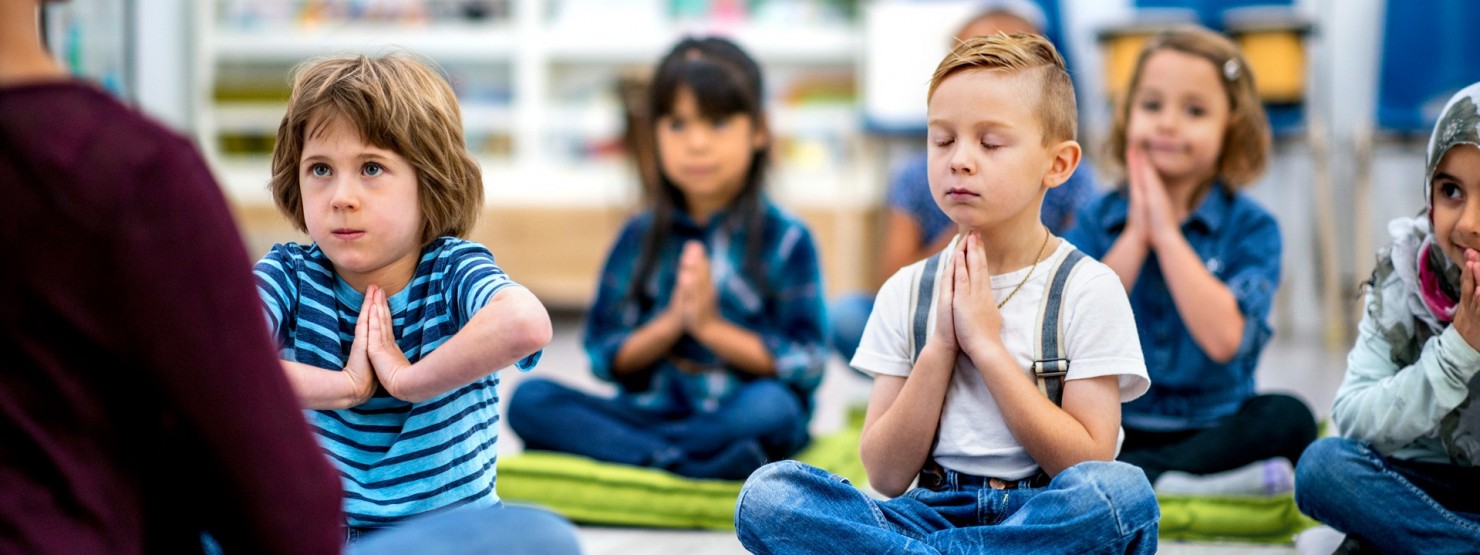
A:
(141, 401)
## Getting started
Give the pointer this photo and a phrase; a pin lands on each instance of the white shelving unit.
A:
(558, 98)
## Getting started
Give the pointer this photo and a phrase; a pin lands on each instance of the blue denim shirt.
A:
(1240, 244)
(788, 314)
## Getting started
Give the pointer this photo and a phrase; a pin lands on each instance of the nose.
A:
(1166, 120)
(1468, 226)
(698, 137)
(961, 161)
(346, 194)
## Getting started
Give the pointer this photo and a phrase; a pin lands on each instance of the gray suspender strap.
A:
(1050, 372)
(924, 294)
(1052, 362)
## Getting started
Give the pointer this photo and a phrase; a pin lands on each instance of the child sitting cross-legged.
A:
(392, 330)
(999, 364)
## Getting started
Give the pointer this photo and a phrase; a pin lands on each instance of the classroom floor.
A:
(1292, 365)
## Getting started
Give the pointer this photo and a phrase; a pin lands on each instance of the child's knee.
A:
(770, 392)
(772, 400)
(530, 397)
(1323, 470)
(1324, 459)
(540, 531)
(1294, 416)
(772, 488)
(1121, 488)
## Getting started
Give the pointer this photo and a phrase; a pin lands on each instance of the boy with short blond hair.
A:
(956, 343)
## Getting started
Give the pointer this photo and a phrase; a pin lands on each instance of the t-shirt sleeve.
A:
(884, 348)
(1100, 331)
(472, 281)
(277, 286)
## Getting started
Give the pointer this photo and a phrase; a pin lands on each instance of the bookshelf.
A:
(537, 83)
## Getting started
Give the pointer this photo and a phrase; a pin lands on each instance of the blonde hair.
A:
(397, 103)
(1057, 112)
(1246, 141)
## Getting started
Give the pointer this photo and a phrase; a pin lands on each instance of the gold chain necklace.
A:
(1014, 291)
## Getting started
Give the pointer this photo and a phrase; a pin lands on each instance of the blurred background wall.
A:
(547, 86)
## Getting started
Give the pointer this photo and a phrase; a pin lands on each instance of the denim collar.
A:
(1209, 215)
(684, 222)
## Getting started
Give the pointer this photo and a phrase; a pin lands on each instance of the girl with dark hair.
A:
(709, 317)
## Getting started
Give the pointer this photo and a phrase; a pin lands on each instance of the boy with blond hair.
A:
(956, 343)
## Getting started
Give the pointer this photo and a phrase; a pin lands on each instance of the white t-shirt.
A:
(1099, 338)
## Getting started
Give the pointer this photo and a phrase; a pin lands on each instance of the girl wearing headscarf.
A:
(1401, 477)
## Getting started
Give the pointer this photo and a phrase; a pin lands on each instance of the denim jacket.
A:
(1239, 242)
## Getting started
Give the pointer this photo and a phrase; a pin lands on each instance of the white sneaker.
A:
(1268, 477)
(1321, 540)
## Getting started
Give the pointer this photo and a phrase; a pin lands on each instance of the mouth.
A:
(345, 234)
(959, 194)
(1163, 146)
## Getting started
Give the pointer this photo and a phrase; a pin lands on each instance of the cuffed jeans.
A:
(1090, 508)
(1392, 505)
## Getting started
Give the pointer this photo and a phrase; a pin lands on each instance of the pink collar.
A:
(1428, 286)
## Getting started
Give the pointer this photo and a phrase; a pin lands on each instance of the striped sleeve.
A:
(473, 280)
(278, 288)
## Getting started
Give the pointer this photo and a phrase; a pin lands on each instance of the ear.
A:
(1064, 160)
(760, 135)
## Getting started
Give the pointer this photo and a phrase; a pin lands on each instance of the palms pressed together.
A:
(374, 356)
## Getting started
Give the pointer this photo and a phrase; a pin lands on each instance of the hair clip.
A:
(1231, 69)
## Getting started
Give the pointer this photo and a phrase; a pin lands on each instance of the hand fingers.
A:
(362, 323)
(684, 282)
(693, 252)
(1143, 167)
(1474, 299)
(386, 323)
(948, 282)
(976, 259)
(374, 334)
(1467, 279)
(1132, 165)
(962, 272)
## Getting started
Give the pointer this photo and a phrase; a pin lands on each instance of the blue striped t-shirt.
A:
(397, 459)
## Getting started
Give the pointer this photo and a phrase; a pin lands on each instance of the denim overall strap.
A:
(1052, 362)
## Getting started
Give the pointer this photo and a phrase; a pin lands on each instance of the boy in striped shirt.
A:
(391, 329)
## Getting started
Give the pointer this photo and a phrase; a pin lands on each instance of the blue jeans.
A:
(466, 531)
(1392, 505)
(763, 421)
(849, 315)
(1092, 507)
(502, 529)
